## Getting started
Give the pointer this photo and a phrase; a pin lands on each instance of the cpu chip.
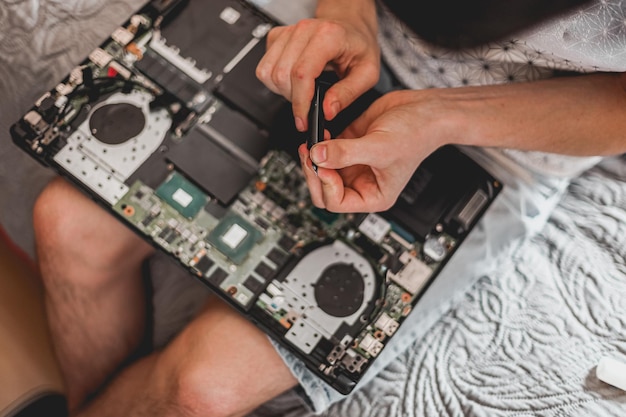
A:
(234, 237)
(182, 195)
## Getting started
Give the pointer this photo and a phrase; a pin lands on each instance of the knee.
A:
(197, 393)
(71, 229)
(53, 214)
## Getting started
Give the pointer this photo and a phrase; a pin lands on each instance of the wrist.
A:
(440, 119)
(349, 10)
(343, 7)
(472, 116)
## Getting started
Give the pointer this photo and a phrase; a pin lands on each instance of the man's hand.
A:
(367, 167)
(342, 37)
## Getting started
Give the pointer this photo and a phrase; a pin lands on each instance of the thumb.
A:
(341, 153)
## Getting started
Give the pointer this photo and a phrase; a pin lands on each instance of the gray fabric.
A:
(39, 42)
(524, 340)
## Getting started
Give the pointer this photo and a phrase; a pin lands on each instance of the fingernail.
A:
(299, 124)
(318, 153)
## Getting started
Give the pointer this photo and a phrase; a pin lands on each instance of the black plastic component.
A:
(21, 132)
(47, 109)
(116, 123)
(370, 249)
(253, 285)
(146, 221)
(204, 264)
(443, 179)
(285, 136)
(316, 116)
(394, 264)
(240, 131)
(286, 243)
(264, 271)
(213, 169)
(210, 38)
(278, 257)
(217, 277)
(215, 209)
(344, 384)
(169, 77)
(262, 223)
(340, 290)
(243, 90)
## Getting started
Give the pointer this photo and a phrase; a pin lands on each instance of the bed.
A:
(523, 340)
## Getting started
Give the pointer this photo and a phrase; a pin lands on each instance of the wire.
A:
(100, 85)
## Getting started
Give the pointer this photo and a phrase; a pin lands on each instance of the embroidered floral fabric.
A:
(592, 38)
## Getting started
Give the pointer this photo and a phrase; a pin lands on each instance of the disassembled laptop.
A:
(166, 126)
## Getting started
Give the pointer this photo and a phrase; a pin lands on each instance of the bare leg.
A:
(91, 268)
(219, 365)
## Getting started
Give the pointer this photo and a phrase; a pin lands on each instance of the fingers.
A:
(295, 56)
(287, 62)
(369, 150)
(310, 175)
(348, 197)
(325, 186)
(276, 40)
(299, 53)
(345, 181)
(331, 188)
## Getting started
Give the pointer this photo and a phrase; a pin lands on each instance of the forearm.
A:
(582, 115)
